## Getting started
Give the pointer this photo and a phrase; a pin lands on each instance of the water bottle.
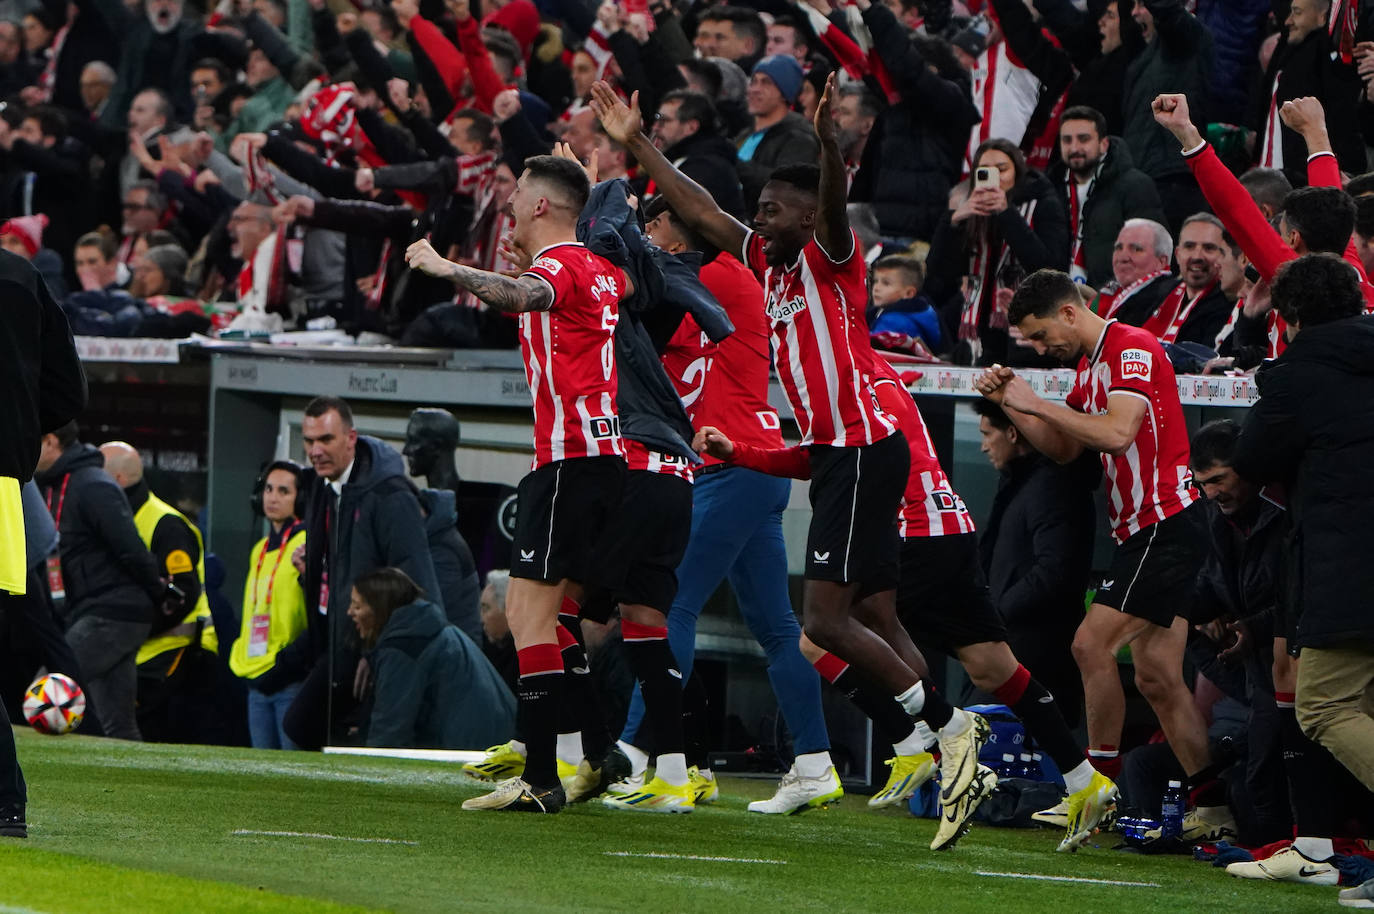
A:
(1171, 811)
(1008, 767)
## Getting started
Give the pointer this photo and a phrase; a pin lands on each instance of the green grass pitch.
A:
(123, 827)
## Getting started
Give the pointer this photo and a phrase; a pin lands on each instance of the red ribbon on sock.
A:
(830, 667)
(566, 639)
(1010, 692)
(633, 631)
(539, 659)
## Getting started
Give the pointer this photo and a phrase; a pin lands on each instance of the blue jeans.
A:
(737, 534)
(265, 713)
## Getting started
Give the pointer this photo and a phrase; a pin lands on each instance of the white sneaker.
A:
(959, 758)
(955, 816)
(797, 794)
(1057, 816)
(1288, 865)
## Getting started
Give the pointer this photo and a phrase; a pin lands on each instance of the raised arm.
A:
(832, 219)
(522, 293)
(688, 199)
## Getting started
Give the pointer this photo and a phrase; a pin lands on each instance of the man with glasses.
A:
(686, 132)
(144, 206)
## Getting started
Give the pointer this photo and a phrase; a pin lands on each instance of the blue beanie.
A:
(785, 72)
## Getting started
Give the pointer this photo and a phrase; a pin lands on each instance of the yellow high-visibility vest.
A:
(13, 573)
(146, 520)
(273, 607)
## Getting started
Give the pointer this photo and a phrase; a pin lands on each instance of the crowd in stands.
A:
(257, 168)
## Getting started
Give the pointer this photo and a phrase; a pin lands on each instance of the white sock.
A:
(913, 699)
(958, 724)
(1080, 777)
(1315, 848)
(813, 764)
(569, 750)
(926, 734)
(672, 769)
(518, 747)
(914, 744)
(639, 759)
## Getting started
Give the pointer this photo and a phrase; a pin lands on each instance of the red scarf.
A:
(1173, 312)
(1112, 301)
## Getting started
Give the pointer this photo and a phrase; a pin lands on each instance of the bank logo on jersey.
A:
(548, 263)
(784, 310)
(1135, 363)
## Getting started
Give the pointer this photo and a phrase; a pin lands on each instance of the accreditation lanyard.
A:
(57, 588)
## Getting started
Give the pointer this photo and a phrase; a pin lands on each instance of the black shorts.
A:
(637, 557)
(1153, 573)
(943, 598)
(564, 508)
(855, 496)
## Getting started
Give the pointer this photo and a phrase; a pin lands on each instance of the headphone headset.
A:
(290, 466)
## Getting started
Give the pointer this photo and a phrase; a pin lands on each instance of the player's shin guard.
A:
(541, 684)
(889, 717)
(1036, 707)
(660, 682)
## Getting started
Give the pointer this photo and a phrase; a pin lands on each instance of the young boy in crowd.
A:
(900, 318)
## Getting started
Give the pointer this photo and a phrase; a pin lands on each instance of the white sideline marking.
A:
(11, 909)
(654, 856)
(311, 834)
(1148, 885)
(427, 755)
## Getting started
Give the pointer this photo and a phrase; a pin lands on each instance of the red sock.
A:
(1106, 760)
(1010, 692)
(830, 667)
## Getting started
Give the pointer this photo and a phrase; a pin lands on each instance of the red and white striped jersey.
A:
(569, 354)
(821, 347)
(930, 506)
(639, 457)
(725, 384)
(1151, 480)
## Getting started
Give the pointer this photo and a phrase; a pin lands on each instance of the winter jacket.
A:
(1310, 431)
(1032, 233)
(1120, 192)
(1177, 60)
(1307, 69)
(377, 524)
(107, 570)
(44, 385)
(1100, 77)
(916, 150)
(709, 160)
(648, 405)
(1243, 576)
(1037, 544)
(914, 317)
(453, 564)
(791, 141)
(1237, 27)
(434, 687)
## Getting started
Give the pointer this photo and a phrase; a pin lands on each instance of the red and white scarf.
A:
(1173, 312)
(984, 268)
(1110, 302)
(1078, 268)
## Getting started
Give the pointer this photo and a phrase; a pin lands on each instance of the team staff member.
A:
(814, 277)
(112, 583)
(273, 608)
(569, 305)
(44, 389)
(361, 514)
(1124, 404)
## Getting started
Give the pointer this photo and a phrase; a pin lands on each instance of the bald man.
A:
(176, 545)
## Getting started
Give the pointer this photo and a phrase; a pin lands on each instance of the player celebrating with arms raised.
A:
(569, 303)
(1124, 403)
(806, 255)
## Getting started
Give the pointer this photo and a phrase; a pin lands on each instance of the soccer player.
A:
(943, 596)
(807, 257)
(1124, 403)
(569, 304)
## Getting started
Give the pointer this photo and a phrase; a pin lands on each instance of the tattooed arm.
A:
(522, 293)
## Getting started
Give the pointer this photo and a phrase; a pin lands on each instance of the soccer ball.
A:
(54, 704)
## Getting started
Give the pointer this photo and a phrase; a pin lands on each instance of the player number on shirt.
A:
(695, 378)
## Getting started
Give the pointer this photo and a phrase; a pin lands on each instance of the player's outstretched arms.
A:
(504, 293)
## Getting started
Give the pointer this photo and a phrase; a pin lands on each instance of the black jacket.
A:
(1243, 576)
(1313, 431)
(40, 373)
(1100, 77)
(917, 148)
(1037, 544)
(709, 160)
(1177, 60)
(377, 524)
(1119, 192)
(1304, 69)
(453, 564)
(107, 570)
(791, 141)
